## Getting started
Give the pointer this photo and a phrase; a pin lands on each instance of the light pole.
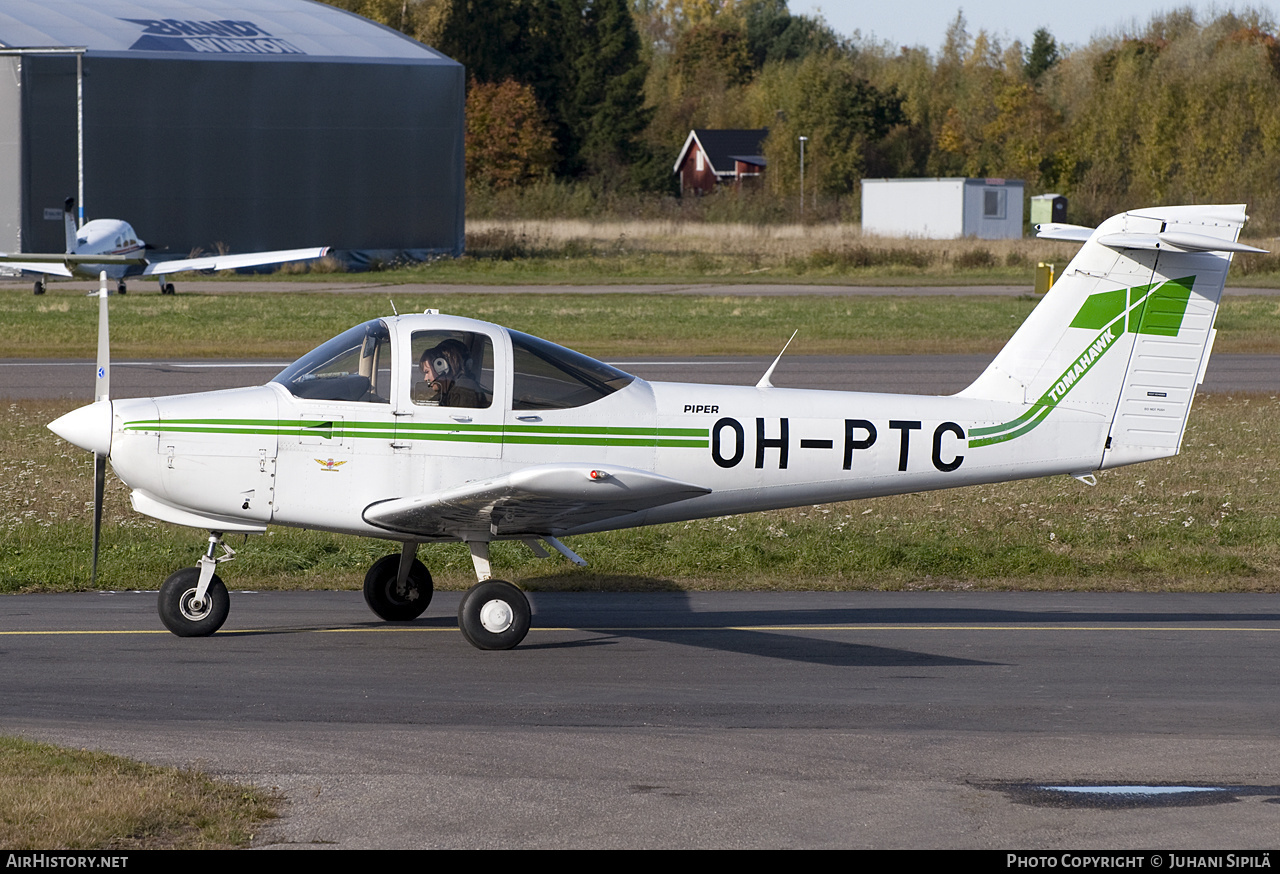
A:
(803, 140)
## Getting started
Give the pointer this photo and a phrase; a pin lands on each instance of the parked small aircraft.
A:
(112, 246)
(432, 428)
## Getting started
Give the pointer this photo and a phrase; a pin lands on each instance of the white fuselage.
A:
(248, 457)
(106, 237)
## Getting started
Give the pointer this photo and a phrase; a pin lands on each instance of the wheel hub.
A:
(194, 608)
(496, 616)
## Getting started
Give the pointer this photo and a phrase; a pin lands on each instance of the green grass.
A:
(63, 324)
(59, 799)
(1206, 520)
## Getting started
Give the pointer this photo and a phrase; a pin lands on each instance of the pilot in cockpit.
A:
(447, 380)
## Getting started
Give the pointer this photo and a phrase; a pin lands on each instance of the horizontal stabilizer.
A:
(1175, 241)
(1060, 231)
(232, 262)
(543, 500)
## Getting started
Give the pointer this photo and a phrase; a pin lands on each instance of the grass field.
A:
(1206, 520)
(580, 252)
(60, 799)
(63, 323)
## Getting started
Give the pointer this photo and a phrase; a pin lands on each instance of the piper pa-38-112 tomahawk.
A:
(432, 428)
(111, 246)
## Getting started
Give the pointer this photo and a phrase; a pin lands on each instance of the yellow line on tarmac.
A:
(673, 628)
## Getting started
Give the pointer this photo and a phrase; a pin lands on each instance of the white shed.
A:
(943, 209)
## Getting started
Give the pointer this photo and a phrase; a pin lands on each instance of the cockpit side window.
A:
(353, 366)
(551, 377)
(451, 369)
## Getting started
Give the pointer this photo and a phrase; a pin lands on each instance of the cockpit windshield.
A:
(353, 366)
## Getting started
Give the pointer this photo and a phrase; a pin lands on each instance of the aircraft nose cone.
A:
(87, 427)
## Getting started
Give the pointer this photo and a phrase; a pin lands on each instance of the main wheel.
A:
(494, 615)
(168, 288)
(179, 612)
(39, 287)
(121, 288)
(386, 601)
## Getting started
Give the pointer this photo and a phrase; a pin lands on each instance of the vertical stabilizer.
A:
(1124, 334)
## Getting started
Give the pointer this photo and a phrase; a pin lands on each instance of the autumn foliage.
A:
(509, 139)
(1181, 109)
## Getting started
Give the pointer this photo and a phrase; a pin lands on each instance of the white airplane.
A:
(432, 428)
(111, 246)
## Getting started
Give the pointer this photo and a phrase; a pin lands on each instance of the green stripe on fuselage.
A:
(457, 432)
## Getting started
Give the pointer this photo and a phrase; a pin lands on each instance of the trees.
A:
(823, 98)
(1042, 55)
(509, 139)
(1177, 109)
(610, 89)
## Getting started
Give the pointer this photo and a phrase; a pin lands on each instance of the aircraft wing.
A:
(231, 262)
(541, 500)
(45, 267)
(68, 258)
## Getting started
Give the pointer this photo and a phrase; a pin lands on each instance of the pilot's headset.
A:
(440, 365)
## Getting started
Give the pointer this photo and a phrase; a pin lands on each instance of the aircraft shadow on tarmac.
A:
(806, 635)
(706, 635)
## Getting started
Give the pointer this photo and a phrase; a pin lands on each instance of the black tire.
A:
(383, 599)
(168, 288)
(39, 287)
(494, 615)
(121, 288)
(175, 604)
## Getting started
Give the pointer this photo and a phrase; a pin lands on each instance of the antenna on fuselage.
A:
(394, 312)
(764, 380)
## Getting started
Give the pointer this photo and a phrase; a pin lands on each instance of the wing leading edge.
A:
(231, 262)
(545, 499)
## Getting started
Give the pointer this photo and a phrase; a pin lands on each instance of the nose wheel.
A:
(194, 601)
(185, 613)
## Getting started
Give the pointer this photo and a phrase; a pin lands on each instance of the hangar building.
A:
(248, 124)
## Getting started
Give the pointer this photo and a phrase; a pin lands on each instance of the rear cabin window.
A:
(551, 377)
(353, 366)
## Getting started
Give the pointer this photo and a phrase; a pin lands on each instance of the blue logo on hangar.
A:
(220, 37)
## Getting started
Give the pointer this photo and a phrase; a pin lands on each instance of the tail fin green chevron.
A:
(1123, 335)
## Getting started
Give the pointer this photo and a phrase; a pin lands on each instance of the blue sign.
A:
(218, 37)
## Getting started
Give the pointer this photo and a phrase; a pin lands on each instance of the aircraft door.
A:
(448, 406)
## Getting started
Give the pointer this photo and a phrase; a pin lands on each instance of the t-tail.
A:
(1125, 334)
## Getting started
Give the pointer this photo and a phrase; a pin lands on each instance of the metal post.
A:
(803, 140)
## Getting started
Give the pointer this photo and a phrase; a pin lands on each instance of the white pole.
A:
(80, 135)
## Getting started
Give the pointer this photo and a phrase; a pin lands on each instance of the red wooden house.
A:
(715, 157)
